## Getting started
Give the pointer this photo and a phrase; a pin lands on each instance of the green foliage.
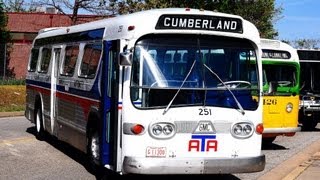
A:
(12, 82)
(4, 34)
(262, 13)
(306, 43)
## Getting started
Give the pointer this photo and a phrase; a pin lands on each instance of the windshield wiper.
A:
(234, 97)
(185, 79)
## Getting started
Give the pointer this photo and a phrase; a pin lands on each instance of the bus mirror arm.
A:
(125, 58)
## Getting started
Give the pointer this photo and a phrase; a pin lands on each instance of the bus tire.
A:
(309, 123)
(93, 149)
(40, 134)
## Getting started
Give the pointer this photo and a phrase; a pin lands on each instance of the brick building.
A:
(23, 29)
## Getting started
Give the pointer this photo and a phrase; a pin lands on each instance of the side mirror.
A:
(125, 58)
(273, 87)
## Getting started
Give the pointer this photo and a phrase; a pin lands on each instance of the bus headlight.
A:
(237, 129)
(162, 130)
(167, 129)
(242, 130)
(157, 129)
(289, 107)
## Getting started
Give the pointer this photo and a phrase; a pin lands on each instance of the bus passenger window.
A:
(90, 60)
(70, 60)
(45, 60)
(33, 60)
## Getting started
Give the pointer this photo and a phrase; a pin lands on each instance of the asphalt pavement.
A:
(305, 165)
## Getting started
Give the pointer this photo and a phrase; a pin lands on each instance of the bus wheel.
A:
(268, 140)
(94, 149)
(39, 125)
(309, 123)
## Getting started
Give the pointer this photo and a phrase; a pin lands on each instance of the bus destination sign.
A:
(194, 22)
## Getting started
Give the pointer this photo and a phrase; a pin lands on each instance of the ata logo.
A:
(203, 143)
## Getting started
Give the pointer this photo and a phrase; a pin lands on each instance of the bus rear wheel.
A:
(39, 124)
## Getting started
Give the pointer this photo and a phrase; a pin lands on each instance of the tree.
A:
(19, 6)
(99, 7)
(262, 13)
(306, 43)
(14, 5)
(4, 38)
(4, 34)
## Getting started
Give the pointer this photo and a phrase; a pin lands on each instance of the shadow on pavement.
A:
(103, 173)
(273, 146)
(175, 177)
(72, 152)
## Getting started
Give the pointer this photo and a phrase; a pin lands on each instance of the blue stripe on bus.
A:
(93, 93)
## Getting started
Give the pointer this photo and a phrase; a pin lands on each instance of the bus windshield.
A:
(201, 67)
(282, 75)
(310, 71)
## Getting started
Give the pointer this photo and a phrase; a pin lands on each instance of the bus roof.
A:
(137, 24)
(277, 46)
(309, 55)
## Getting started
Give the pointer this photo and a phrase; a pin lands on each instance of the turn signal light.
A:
(137, 129)
(259, 128)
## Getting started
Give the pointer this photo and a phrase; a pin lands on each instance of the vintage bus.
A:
(281, 78)
(166, 91)
(309, 113)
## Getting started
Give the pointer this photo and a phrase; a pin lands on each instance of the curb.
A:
(301, 168)
(294, 166)
(11, 114)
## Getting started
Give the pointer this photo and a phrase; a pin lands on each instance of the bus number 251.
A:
(204, 112)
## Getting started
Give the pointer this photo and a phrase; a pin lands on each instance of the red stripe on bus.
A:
(83, 102)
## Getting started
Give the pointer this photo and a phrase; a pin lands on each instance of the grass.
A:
(12, 98)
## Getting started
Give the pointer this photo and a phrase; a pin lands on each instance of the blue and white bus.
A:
(167, 91)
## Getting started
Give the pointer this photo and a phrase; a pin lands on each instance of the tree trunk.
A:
(74, 17)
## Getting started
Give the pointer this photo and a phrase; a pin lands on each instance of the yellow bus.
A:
(281, 76)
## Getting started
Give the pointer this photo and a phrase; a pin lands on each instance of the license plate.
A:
(156, 152)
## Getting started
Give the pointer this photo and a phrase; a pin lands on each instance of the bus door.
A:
(110, 132)
(54, 78)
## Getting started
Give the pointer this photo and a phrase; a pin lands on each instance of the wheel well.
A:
(92, 122)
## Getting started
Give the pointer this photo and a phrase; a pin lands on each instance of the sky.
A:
(300, 19)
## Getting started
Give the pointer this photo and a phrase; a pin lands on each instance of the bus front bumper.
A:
(280, 131)
(136, 165)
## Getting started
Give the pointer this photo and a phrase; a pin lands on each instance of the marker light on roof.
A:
(130, 28)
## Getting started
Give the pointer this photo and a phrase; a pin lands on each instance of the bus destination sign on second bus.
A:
(193, 22)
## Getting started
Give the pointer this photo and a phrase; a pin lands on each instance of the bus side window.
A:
(70, 60)
(90, 60)
(45, 60)
(33, 60)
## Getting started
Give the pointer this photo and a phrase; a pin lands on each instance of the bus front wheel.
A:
(93, 149)
(310, 123)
